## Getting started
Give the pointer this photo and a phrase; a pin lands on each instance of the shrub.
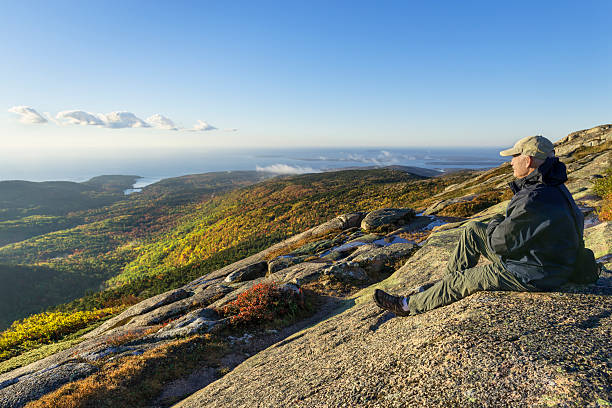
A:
(262, 302)
(44, 328)
(603, 188)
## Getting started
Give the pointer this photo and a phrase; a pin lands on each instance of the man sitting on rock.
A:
(534, 247)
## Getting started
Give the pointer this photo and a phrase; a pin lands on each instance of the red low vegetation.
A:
(263, 302)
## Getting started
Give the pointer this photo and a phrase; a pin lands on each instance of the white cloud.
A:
(120, 120)
(286, 169)
(77, 117)
(202, 126)
(161, 122)
(28, 114)
(113, 120)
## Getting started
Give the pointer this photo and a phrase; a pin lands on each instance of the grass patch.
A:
(603, 188)
(135, 381)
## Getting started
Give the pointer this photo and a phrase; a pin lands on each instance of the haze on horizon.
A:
(192, 75)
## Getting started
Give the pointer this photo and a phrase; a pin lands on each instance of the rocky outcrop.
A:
(588, 137)
(141, 308)
(193, 308)
(387, 219)
(198, 321)
(33, 386)
(539, 349)
(346, 271)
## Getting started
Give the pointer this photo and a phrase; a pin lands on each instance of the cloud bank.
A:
(202, 126)
(161, 122)
(113, 120)
(286, 169)
(28, 114)
(120, 120)
(76, 117)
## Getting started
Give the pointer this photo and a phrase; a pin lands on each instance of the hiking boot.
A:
(389, 302)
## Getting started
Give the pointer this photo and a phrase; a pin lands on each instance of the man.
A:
(533, 247)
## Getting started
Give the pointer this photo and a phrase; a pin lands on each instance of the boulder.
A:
(283, 262)
(346, 271)
(300, 274)
(237, 266)
(211, 294)
(198, 321)
(366, 239)
(160, 314)
(341, 251)
(365, 248)
(375, 259)
(140, 308)
(352, 220)
(339, 223)
(248, 272)
(387, 219)
(333, 256)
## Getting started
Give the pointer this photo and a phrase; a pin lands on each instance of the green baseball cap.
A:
(535, 146)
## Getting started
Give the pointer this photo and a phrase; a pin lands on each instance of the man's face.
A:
(520, 165)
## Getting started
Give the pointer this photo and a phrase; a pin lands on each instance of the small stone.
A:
(248, 273)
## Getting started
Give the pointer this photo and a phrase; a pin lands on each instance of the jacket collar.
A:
(551, 172)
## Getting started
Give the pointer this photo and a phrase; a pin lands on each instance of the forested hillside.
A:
(59, 240)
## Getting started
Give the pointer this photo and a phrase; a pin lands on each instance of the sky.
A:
(204, 74)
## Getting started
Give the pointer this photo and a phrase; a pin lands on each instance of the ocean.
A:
(154, 165)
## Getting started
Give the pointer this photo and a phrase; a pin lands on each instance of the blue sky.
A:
(315, 73)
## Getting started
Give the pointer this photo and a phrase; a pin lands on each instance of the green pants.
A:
(463, 277)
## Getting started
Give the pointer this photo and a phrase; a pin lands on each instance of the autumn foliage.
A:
(603, 187)
(44, 328)
(263, 302)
